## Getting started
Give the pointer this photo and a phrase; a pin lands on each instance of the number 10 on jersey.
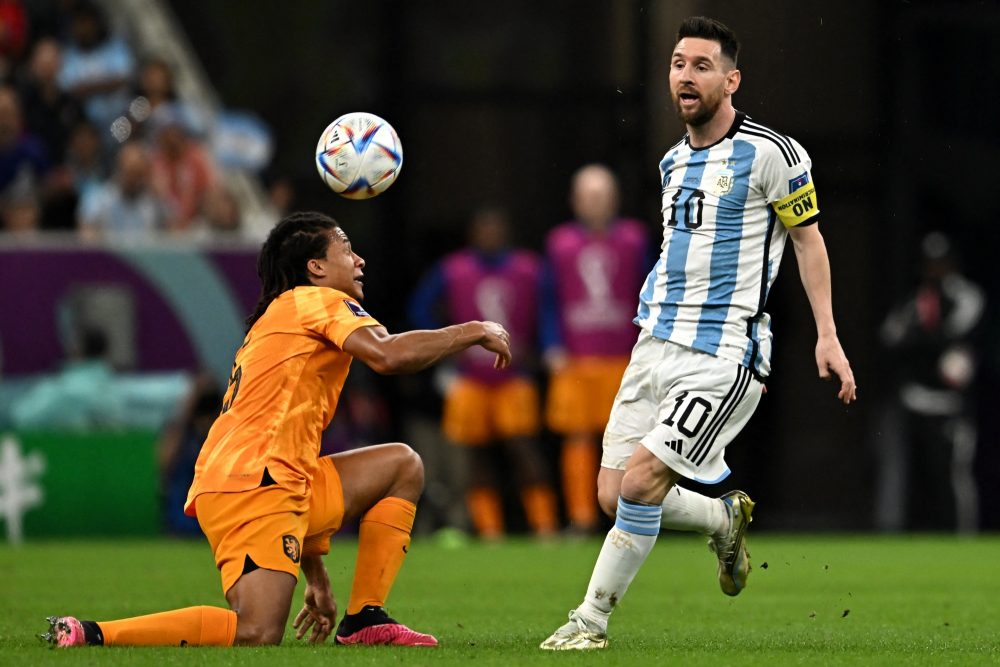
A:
(692, 207)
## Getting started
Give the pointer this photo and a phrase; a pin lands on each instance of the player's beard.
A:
(704, 113)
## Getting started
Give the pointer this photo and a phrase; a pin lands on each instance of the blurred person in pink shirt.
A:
(597, 262)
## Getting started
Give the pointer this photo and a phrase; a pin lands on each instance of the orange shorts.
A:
(269, 527)
(581, 395)
(476, 413)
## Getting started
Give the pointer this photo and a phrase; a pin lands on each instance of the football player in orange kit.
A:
(265, 499)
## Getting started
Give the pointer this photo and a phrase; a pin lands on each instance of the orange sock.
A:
(192, 626)
(486, 511)
(383, 540)
(579, 477)
(540, 509)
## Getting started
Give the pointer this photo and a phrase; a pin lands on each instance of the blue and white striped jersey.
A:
(722, 243)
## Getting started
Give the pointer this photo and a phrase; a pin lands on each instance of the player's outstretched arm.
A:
(412, 351)
(814, 270)
(319, 611)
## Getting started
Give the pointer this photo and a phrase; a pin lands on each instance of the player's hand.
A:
(319, 613)
(496, 339)
(830, 358)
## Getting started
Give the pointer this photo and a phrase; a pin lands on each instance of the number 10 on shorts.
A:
(692, 417)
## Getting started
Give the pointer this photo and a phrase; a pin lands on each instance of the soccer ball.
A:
(359, 155)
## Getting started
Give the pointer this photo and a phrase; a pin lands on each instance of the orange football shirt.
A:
(282, 394)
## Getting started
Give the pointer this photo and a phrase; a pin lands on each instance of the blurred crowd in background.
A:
(94, 138)
(96, 142)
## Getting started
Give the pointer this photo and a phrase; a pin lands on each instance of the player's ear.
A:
(315, 268)
(733, 78)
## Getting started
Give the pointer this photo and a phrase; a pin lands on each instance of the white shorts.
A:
(682, 405)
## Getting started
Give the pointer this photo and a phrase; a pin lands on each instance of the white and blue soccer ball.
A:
(359, 155)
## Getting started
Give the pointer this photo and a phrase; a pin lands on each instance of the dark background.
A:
(501, 102)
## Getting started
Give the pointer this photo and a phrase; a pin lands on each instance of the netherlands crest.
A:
(290, 544)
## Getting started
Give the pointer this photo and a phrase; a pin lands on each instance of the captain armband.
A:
(797, 207)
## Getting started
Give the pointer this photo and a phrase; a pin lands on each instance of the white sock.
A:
(686, 510)
(624, 551)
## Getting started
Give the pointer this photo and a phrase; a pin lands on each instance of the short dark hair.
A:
(282, 263)
(706, 28)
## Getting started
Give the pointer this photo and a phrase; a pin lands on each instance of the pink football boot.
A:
(64, 632)
(372, 626)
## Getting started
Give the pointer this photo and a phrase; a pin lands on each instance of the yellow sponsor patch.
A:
(797, 207)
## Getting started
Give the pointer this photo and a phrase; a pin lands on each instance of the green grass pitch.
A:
(829, 600)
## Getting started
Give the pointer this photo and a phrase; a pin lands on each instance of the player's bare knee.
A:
(607, 498)
(609, 484)
(409, 472)
(249, 633)
(414, 467)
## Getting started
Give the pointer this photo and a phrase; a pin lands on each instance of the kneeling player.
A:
(264, 498)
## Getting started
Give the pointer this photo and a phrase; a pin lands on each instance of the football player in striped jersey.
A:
(733, 191)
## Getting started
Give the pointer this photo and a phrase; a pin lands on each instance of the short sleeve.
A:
(787, 183)
(331, 313)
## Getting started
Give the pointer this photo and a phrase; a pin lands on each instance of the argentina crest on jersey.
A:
(721, 182)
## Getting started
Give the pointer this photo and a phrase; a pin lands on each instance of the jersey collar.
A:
(733, 129)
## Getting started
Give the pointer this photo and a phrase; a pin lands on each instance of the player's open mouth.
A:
(688, 98)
